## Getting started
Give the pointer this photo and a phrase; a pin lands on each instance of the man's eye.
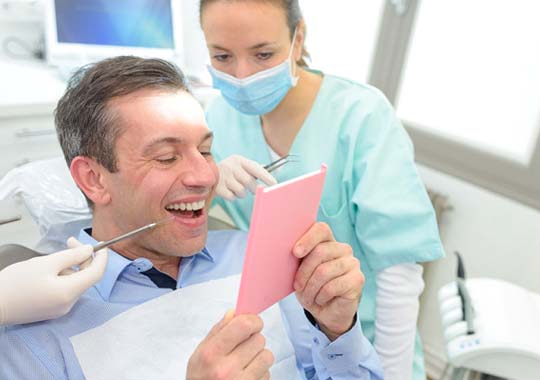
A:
(206, 153)
(166, 160)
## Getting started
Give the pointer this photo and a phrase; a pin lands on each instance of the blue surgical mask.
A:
(259, 93)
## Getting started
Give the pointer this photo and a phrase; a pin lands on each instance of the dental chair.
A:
(55, 204)
(490, 327)
(13, 253)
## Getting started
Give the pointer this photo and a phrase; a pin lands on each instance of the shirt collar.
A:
(205, 254)
(117, 263)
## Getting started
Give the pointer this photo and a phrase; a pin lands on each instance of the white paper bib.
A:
(155, 340)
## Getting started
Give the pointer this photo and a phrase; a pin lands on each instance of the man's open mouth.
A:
(186, 210)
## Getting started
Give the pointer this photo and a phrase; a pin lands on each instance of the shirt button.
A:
(142, 264)
(331, 356)
(316, 340)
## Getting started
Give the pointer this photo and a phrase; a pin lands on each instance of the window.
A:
(473, 75)
(464, 78)
(341, 38)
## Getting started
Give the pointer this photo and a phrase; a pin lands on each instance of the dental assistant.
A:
(272, 104)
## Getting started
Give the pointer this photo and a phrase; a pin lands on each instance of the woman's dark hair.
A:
(292, 10)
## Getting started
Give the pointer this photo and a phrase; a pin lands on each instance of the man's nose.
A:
(201, 172)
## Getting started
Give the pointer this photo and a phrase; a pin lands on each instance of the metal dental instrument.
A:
(279, 162)
(13, 253)
(107, 243)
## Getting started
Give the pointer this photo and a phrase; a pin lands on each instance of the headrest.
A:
(53, 200)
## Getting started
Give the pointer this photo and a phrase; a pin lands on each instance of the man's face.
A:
(165, 169)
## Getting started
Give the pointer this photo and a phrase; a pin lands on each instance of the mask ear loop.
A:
(294, 79)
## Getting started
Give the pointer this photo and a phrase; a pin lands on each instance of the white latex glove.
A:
(398, 291)
(46, 287)
(237, 173)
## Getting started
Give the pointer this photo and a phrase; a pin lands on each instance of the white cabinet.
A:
(28, 95)
(26, 139)
(22, 140)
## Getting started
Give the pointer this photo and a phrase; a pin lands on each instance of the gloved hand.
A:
(46, 287)
(236, 173)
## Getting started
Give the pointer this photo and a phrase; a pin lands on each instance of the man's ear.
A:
(89, 176)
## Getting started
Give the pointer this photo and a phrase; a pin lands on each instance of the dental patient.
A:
(138, 147)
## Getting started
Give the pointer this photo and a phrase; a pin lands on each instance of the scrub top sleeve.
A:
(394, 220)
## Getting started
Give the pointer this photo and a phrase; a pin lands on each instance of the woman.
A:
(374, 200)
(46, 287)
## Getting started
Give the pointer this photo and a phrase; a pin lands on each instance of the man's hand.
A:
(328, 282)
(232, 350)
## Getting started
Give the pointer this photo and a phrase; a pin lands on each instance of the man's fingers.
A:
(322, 253)
(218, 326)
(318, 233)
(238, 330)
(260, 366)
(323, 274)
(347, 286)
(246, 351)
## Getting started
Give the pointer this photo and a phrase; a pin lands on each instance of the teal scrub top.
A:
(373, 197)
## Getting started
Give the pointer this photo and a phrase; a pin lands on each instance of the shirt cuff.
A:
(350, 353)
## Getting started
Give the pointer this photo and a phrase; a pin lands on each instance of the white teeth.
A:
(193, 206)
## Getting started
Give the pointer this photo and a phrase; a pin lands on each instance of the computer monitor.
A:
(82, 31)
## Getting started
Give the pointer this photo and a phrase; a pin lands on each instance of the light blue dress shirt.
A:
(43, 350)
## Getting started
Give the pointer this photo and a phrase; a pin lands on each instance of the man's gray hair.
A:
(85, 125)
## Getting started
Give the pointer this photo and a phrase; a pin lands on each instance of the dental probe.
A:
(127, 235)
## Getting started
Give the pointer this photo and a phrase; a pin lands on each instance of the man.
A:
(138, 147)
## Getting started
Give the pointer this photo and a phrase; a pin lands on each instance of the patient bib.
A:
(155, 340)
